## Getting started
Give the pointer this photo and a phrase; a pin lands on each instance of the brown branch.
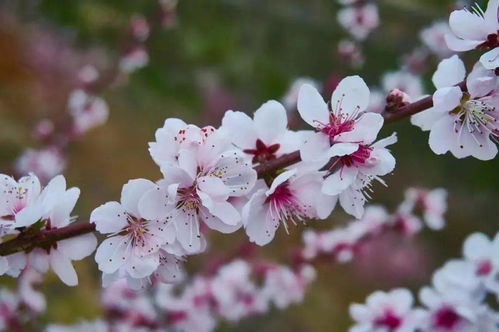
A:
(45, 239)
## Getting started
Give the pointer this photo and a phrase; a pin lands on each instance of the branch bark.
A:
(46, 238)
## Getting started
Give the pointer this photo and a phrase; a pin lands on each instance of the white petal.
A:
(490, 60)
(216, 223)
(477, 246)
(459, 45)
(155, 204)
(270, 121)
(213, 186)
(63, 268)
(109, 217)
(383, 143)
(142, 266)
(468, 25)
(352, 202)
(446, 99)
(481, 81)
(239, 129)
(187, 230)
(442, 136)
(29, 215)
(259, 226)
(187, 162)
(350, 96)
(426, 119)
(79, 247)
(61, 212)
(337, 182)
(132, 192)
(315, 148)
(221, 209)
(311, 106)
(383, 163)
(365, 130)
(449, 72)
(112, 253)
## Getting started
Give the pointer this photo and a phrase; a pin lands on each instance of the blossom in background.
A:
(45, 163)
(433, 203)
(263, 138)
(433, 37)
(132, 249)
(134, 59)
(464, 123)
(291, 198)
(476, 28)
(483, 253)
(404, 81)
(359, 20)
(351, 52)
(392, 311)
(87, 111)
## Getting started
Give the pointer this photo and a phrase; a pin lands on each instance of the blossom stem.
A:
(46, 238)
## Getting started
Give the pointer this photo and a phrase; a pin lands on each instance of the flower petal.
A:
(311, 106)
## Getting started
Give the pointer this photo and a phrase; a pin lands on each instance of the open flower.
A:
(174, 136)
(464, 123)
(264, 138)
(476, 29)
(355, 168)
(132, 248)
(199, 189)
(392, 311)
(49, 209)
(291, 198)
(345, 122)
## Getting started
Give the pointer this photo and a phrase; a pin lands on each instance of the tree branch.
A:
(46, 238)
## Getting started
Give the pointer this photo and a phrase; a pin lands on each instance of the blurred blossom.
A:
(377, 101)
(434, 38)
(45, 163)
(139, 27)
(416, 61)
(34, 299)
(43, 129)
(351, 52)
(134, 59)
(87, 111)
(168, 13)
(216, 97)
(359, 20)
(88, 74)
(404, 81)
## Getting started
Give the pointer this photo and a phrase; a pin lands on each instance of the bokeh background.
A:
(228, 54)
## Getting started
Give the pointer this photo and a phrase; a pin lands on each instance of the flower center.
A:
(446, 318)
(389, 320)
(263, 152)
(338, 123)
(284, 206)
(491, 42)
(484, 268)
(359, 157)
(136, 229)
(477, 117)
(188, 198)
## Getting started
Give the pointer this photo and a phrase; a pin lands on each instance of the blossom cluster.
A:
(209, 180)
(340, 244)
(26, 208)
(455, 302)
(245, 286)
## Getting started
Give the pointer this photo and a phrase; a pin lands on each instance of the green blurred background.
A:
(229, 54)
